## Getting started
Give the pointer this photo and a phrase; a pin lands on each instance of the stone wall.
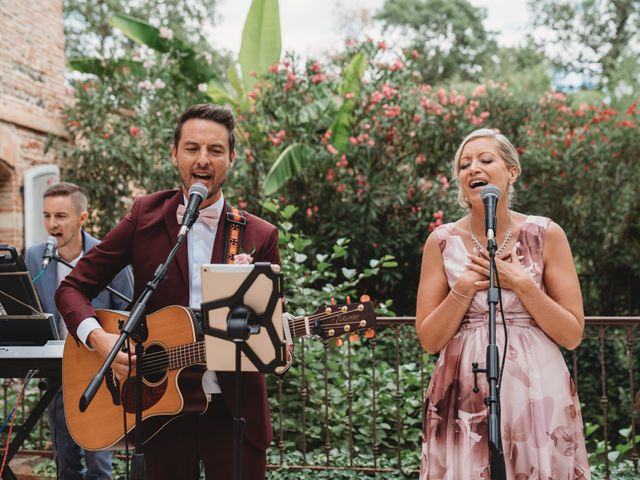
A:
(32, 99)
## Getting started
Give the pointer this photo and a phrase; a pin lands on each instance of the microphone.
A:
(197, 193)
(49, 249)
(490, 196)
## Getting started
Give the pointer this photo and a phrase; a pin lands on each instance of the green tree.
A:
(89, 34)
(448, 35)
(525, 68)
(596, 39)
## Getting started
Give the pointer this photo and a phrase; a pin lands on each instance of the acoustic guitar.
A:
(173, 365)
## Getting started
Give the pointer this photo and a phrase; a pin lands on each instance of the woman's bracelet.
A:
(466, 305)
(461, 294)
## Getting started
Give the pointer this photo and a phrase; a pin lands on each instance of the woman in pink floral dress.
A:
(541, 421)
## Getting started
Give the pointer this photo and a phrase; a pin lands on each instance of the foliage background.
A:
(362, 142)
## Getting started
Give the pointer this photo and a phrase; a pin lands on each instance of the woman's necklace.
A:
(502, 246)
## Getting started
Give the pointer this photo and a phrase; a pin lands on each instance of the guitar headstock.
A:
(331, 321)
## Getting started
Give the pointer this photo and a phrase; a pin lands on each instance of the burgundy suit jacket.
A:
(143, 239)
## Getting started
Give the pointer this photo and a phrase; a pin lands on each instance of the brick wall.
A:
(32, 98)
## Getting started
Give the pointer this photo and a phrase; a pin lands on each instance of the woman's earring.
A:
(511, 189)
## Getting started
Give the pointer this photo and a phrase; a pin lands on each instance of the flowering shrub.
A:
(390, 185)
(121, 129)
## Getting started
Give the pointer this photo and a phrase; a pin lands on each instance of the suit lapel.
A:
(171, 223)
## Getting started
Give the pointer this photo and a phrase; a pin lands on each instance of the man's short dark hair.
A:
(68, 189)
(208, 111)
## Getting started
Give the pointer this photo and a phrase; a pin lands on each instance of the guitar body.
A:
(167, 391)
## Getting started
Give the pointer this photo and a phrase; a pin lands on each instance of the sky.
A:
(311, 27)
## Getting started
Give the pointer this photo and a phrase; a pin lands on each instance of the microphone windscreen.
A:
(490, 191)
(52, 240)
(199, 190)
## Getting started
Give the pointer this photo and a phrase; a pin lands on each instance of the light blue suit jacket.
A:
(47, 284)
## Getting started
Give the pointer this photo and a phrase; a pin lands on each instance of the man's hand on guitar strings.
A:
(102, 342)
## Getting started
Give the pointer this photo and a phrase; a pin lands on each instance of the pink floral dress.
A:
(541, 420)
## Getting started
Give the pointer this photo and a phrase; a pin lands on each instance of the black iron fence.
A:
(357, 407)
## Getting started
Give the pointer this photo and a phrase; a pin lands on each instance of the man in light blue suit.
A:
(65, 212)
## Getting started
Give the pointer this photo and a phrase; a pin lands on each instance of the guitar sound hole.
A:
(155, 363)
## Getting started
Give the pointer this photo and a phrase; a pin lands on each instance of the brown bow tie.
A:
(208, 216)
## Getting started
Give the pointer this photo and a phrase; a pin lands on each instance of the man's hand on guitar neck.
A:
(102, 342)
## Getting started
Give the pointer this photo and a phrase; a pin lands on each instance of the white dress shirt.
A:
(61, 272)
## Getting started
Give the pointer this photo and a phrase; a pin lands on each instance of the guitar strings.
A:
(159, 361)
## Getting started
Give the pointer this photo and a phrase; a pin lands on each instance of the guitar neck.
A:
(332, 321)
(179, 357)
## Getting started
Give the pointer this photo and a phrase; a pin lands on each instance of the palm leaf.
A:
(140, 31)
(288, 163)
(102, 68)
(261, 43)
(351, 83)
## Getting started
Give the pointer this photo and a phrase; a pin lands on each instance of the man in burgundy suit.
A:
(203, 152)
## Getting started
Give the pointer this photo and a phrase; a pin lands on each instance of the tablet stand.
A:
(242, 322)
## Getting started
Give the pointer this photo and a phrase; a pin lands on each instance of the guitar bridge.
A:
(113, 385)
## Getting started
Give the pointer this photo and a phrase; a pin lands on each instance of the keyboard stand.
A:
(52, 385)
(16, 362)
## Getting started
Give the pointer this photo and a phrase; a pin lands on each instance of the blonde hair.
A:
(507, 151)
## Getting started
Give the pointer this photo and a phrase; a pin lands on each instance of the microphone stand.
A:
(57, 258)
(492, 371)
(134, 328)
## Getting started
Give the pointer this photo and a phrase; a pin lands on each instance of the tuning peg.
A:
(365, 298)
(369, 333)
(354, 337)
(339, 342)
(348, 300)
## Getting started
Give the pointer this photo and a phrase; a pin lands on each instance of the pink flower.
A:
(342, 162)
(397, 65)
(353, 140)
(382, 45)
(330, 176)
(479, 91)
(277, 138)
(414, 54)
(341, 188)
(166, 33)
(202, 87)
(420, 159)
(134, 131)
(318, 78)
(331, 149)
(388, 91)
(242, 259)
(391, 111)
(442, 96)
(438, 215)
(445, 182)
(376, 97)
(348, 95)
(315, 67)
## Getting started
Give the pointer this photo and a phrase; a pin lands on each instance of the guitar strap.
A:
(234, 233)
